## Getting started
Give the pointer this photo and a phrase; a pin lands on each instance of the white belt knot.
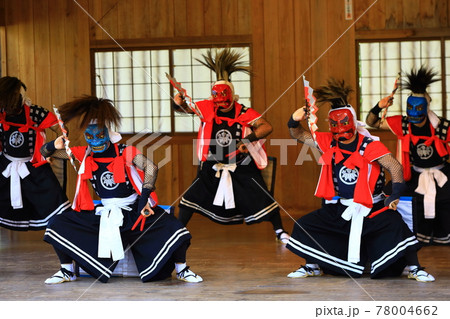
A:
(225, 190)
(356, 213)
(427, 188)
(111, 218)
(17, 170)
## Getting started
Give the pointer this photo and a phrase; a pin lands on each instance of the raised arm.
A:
(373, 118)
(296, 129)
(180, 106)
(54, 149)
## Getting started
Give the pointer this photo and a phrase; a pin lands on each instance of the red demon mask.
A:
(342, 124)
(222, 95)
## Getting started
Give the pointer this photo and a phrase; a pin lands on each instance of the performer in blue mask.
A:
(423, 149)
(97, 138)
(124, 179)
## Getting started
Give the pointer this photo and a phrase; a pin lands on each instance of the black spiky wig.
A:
(335, 92)
(224, 62)
(417, 81)
(11, 98)
(88, 109)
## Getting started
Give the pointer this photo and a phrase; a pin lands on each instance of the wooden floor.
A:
(237, 263)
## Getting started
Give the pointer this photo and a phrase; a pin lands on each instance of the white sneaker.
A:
(305, 271)
(61, 276)
(188, 276)
(283, 237)
(420, 274)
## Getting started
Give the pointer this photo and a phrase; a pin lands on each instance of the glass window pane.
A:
(379, 71)
(136, 82)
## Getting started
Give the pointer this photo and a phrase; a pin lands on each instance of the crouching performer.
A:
(348, 232)
(124, 179)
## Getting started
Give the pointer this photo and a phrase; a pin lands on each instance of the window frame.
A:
(113, 47)
(386, 38)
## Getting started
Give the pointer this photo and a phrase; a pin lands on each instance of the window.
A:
(136, 82)
(380, 62)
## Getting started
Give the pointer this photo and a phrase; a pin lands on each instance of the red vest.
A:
(403, 142)
(368, 169)
(207, 115)
(119, 166)
(49, 121)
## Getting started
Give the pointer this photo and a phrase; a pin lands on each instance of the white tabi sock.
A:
(68, 267)
(179, 267)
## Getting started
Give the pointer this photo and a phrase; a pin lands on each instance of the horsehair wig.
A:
(336, 92)
(89, 109)
(417, 81)
(224, 62)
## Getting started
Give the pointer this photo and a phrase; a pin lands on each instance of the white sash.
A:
(427, 188)
(17, 169)
(225, 190)
(109, 239)
(356, 213)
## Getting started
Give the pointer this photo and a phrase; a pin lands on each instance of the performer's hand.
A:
(147, 211)
(241, 147)
(386, 102)
(59, 143)
(178, 99)
(393, 204)
(300, 114)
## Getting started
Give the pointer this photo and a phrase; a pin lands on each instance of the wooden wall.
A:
(48, 45)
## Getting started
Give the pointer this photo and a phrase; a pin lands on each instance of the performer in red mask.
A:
(340, 237)
(423, 149)
(229, 188)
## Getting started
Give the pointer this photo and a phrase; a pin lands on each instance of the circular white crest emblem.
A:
(424, 151)
(223, 138)
(16, 139)
(348, 176)
(107, 181)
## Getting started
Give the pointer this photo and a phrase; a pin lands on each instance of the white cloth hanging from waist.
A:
(17, 169)
(427, 188)
(111, 218)
(224, 192)
(356, 213)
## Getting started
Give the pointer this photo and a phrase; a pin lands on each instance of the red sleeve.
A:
(395, 124)
(79, 152)
(324, 140)
(375, 150)
(129, 153)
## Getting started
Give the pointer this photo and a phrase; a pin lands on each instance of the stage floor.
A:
(236, 262)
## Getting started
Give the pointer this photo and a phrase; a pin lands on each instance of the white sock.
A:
(313, 266)
(412, 267)
(179, 267)
(68, 267)
(278, 231)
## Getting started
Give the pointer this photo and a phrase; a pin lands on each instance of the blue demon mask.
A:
(416, 109)
(98, 139)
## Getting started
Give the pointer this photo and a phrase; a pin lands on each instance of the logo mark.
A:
(224, 138)
(424, 151)
(107, 181)
(16, 139)
(348, 176)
